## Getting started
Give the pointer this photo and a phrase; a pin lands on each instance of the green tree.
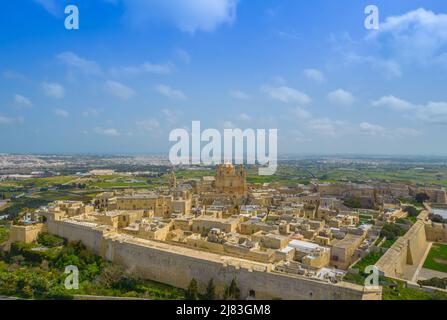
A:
(232, 292)
(210, 290)
(49, 240)
(192, 293)
(391, 231)
(111, 276)
(421, 197)
(412, 211)
(353, 203)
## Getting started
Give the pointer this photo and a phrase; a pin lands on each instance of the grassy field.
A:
(396, 290)
(369, 260)
(405, 175)
(392, 289)
(45, 182)
(388, 243)
(84, 196)
(119, 181)
(437, 258)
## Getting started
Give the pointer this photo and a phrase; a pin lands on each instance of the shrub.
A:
(434, 282)
(421, 197)
(49, 240)
(210, 291)
(412, 211)
(232, 292)
(192, 293)
(391, 231)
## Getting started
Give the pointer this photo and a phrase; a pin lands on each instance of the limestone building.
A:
(231, 180)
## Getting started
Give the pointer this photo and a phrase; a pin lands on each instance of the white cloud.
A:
(377, 130)
(89, 113)
(350, 52)
(372, 129)
(188, 15)
(119, 90)
(237, 94)
(110, 132)
(389, 67)
(228, 125)
(10, 121)
(393, 103)
(278, 80)
(417, 36)
(145, 68)
(50, 6)
(327, 127)
(148, 125)
(53, 90)
(433, 112)
(300, 113)
(172, 116)
(61, 113)
(341, 97)
(22, 101)
(170, 93)
(286, 94)
(315, 75)
(244, 117)
(72, 60)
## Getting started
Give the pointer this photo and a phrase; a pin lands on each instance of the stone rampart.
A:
(408, 250)
(177, 266)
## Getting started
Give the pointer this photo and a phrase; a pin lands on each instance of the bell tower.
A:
(172, 180)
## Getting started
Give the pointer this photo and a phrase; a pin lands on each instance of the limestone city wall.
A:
(26, 234)
(436, 232)
(407, 250)
(92, 238)
(178, 270)
(177, 266)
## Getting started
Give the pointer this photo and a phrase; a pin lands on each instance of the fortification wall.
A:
(26, 234)
(90, 237)
(436, 232)
(177, 266)
(406, 251)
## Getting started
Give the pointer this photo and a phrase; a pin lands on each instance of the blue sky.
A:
(137, 69)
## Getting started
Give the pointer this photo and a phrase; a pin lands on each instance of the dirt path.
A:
(429, 274)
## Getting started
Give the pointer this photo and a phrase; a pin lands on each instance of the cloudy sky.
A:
(136, 69)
